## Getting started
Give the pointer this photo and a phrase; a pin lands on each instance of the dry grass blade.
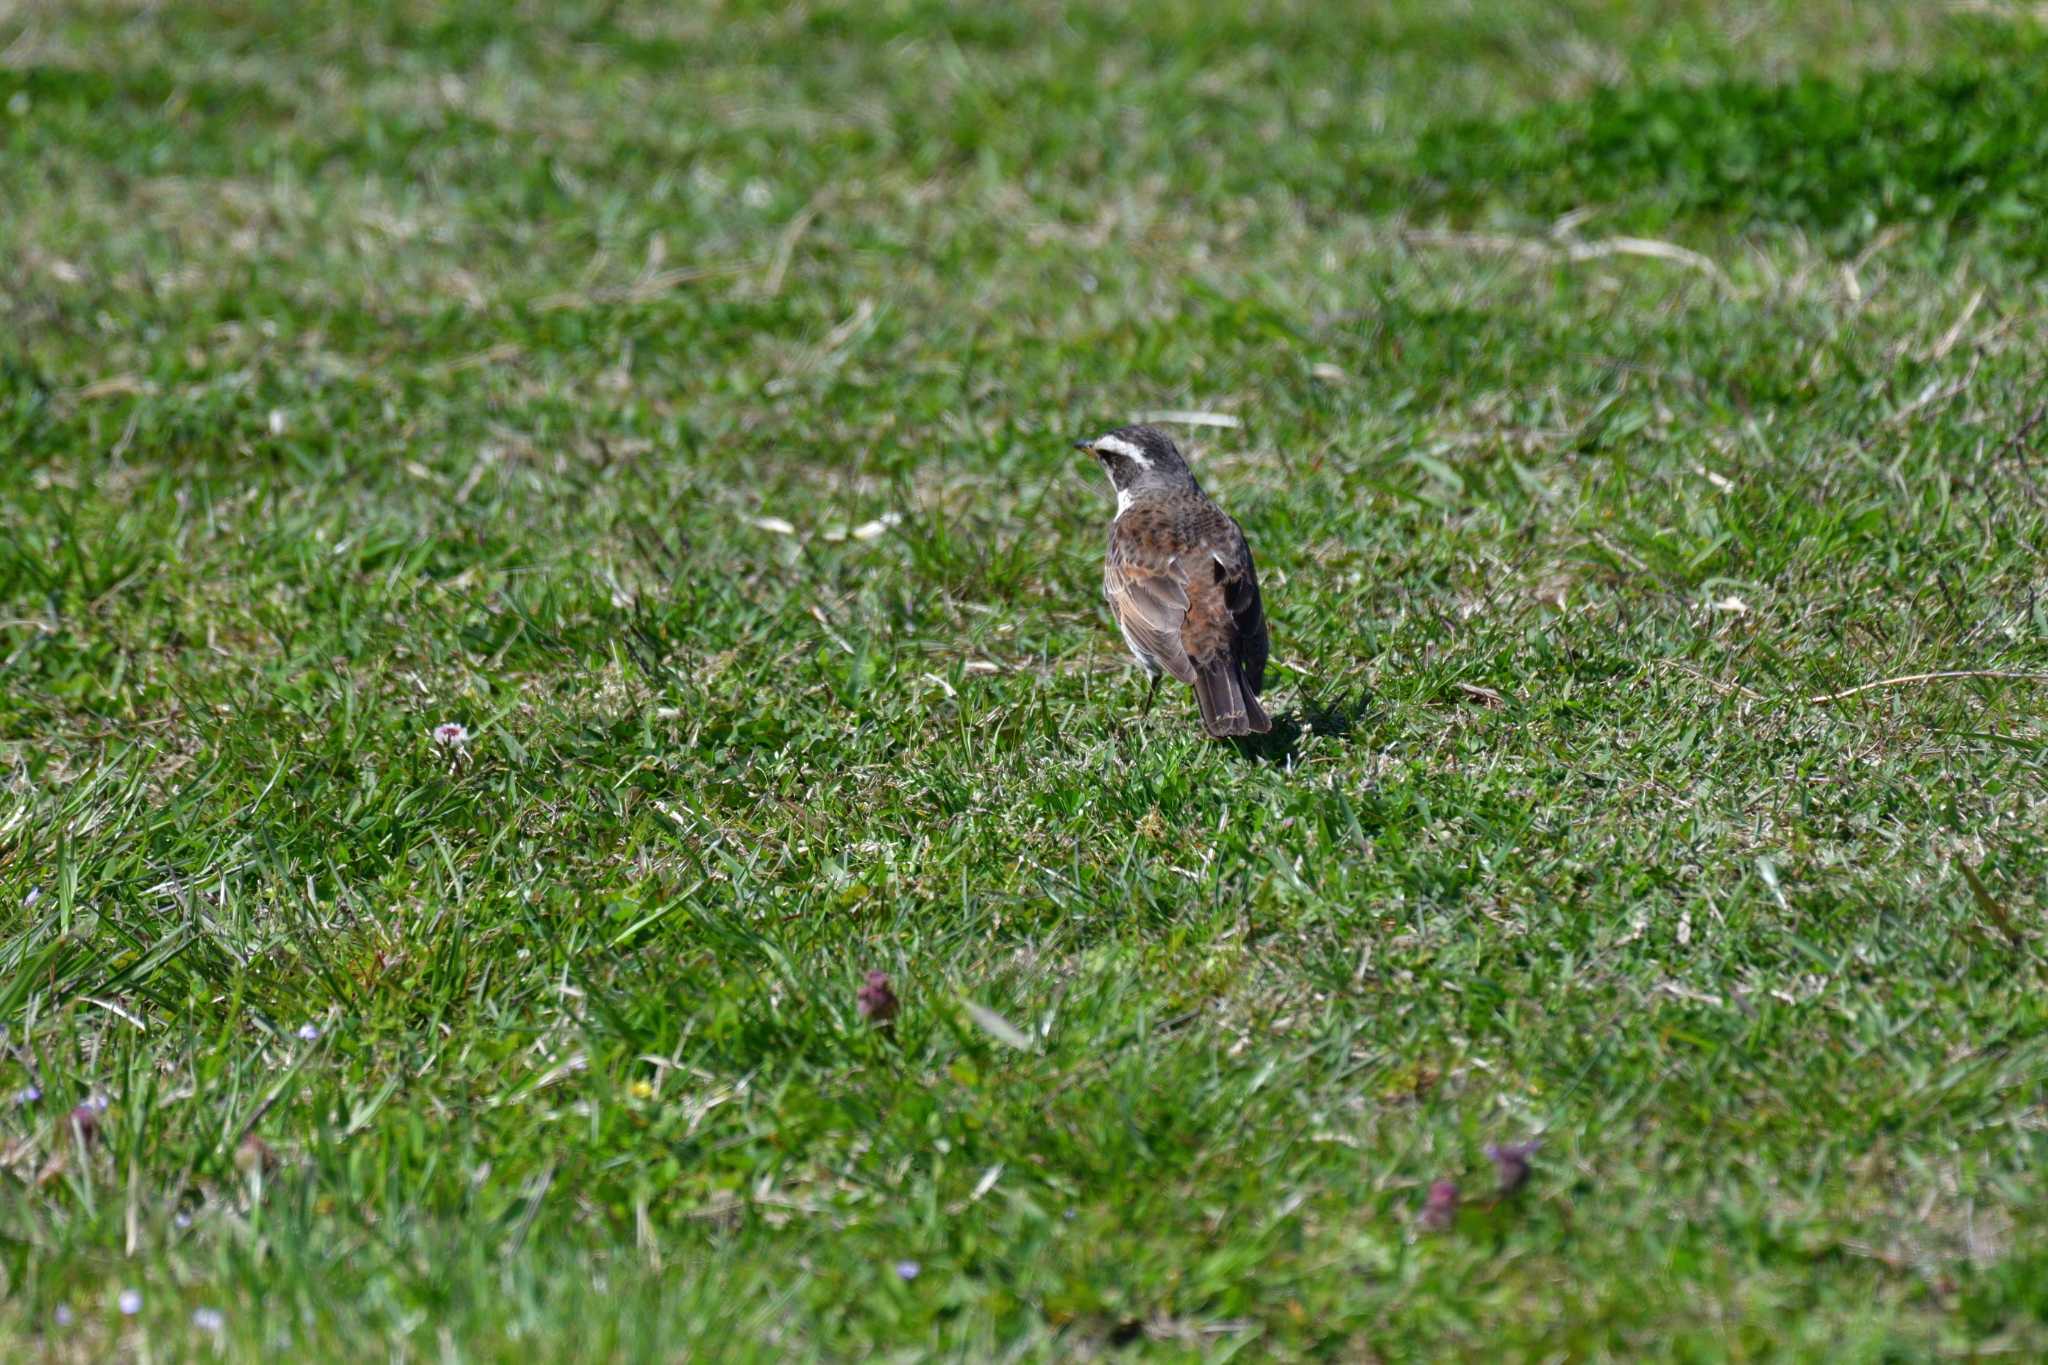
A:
(1913, 679)
(1655, 250)
(1483, 696)
(1989, 904)
(1533, 248)
(1191, 417)
(786, 244)
(2026, 429)
(1724, 688)
(997, 1027)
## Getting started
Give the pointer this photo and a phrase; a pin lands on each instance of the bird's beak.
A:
(1088, 446)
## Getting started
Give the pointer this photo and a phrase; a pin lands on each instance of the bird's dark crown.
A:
(1140, 457)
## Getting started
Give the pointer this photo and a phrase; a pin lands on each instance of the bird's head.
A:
(1139, 457)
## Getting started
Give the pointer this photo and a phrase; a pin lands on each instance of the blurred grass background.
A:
(678, 398)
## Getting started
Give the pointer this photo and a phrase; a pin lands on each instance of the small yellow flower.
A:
(640, 1090)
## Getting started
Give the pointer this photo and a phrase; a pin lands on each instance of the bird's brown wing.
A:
(1224, 634)
(1150, 600)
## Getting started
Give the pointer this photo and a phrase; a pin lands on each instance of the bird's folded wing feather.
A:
(1247, 613)
(1151, 602)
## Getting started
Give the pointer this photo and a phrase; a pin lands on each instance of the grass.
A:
(678, 399)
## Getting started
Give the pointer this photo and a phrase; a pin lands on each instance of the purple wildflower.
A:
(130, 1302)
(908, 1270)
(85, 1121)
(1511, 1161)
(876, 1001)
(1440, 1209)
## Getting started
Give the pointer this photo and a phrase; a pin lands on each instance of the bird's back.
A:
(1182, 539)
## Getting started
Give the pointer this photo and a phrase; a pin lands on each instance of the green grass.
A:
(365, 368)
(1961, 149)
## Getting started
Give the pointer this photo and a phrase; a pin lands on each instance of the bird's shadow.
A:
(1335, 717)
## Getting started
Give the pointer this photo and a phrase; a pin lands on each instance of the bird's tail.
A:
(1228, 705)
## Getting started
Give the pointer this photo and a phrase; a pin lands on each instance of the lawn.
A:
(1628, 405)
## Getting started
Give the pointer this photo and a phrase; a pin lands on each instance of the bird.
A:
(1179, 579)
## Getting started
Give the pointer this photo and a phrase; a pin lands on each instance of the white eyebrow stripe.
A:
(1130, 450)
